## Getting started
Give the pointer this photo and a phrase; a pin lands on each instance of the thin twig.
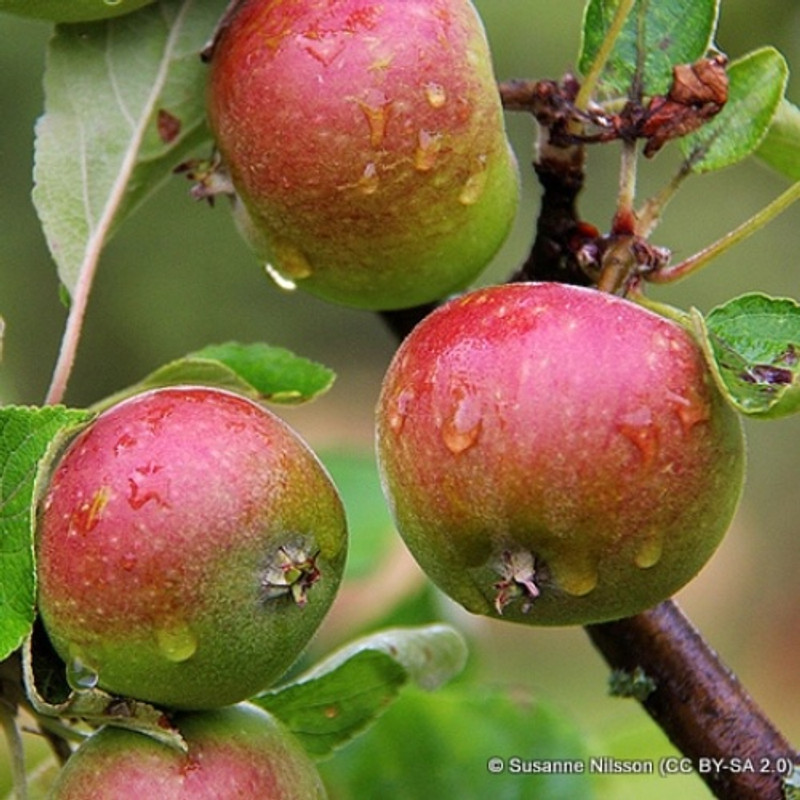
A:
(8, 721)
(725, 243)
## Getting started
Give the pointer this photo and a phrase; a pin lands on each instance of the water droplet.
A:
(650, 550)
(112, 2)
(577, 578)
(429, 145)
(148, 484)
(86, 517)
(370, 180)
(399, 411)
(639, 429)
(129, 561)
(124, 442)
(461, 429)
(176, 642)
(80, 676)
(325, 48)
(281, 281)
(290, 261)
(375, 107)
(690, 408)
(473, 187)
(435, 94)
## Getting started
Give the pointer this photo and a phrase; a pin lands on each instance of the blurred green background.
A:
(177, 277)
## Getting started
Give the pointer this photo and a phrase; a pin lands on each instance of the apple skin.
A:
(237, 752)
(366, 143)
(71, 10)
(160, 529)
(564, 429)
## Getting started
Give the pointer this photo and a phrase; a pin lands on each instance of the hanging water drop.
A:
(649, 551)
(80, 676)
(176, 642)
(639, 429)
(290, 261)
(462, 427)
(473, 187)
(370, 180)
(281, 281)
(577, 578)
(429, 146)
(399, 412)
(375, 107)
(436, 94)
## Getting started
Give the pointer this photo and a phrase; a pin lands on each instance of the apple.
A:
(188, 546)
(556, 455)
(71, 10)
(366, 144)
(237, 752)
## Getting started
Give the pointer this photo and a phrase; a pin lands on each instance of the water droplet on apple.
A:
(291, 261)
(324, 48)
(435, 94)
(577, 578)
(124, 442)
(375, 107)
(112, 2)
(691, 409)
(638, 428)
(399, 412)
(473, 187)
(462, 427)
(176, 642)
(370, 180)
(650, 550)
(80, 676)
(129, 561)
(281, 281)
(429, 145)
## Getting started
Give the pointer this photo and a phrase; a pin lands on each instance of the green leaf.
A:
(780, 148)
(345, 693)
(124, 104)
(71, 10)
(753, 346)
(25, 436)
(757, 83)
(442, 745)
(275, 373)
(257, 371)
(657, 35)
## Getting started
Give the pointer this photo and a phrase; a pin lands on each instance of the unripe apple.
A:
(188, 546)
(238, 752)
(71, 10)
(367, 145)
(556, 455)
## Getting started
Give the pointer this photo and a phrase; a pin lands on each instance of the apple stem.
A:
(734, 237)
(650, 214)
(698, 702)
(15, 748)
(625, 217)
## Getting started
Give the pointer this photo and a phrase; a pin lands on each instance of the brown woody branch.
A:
(698, 702)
